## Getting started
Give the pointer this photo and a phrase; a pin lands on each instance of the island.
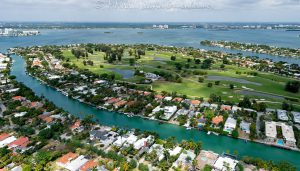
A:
(257, 48)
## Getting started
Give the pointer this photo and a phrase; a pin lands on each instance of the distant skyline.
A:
(150, 10)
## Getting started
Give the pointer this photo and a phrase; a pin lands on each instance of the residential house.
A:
(282, 115)
(66, 159)
(7, 141)
(229, 125)
(225, 107)
(169, 111)
(159, 149)
(296, 116)
(89, 166)
(119, 104)
(206, 158)
(77, 126)
(185, 159)
(175, 151)
(18, 98)
(245, 126)
(19, 144)
(225, 164)
(177, 99)
(270, 131)
(77, 163)
(217, 120)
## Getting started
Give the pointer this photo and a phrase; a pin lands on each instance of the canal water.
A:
(217, 144)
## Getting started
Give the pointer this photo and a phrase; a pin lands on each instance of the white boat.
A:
(208, 133)
(188, 128)
(217, 134)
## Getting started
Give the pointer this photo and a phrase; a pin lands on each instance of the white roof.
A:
(281, 114)
(296, 116)
(235, 108)
(18, 168)
(271, 129)
(77, 163)
(7, 141)
(288, 132)
(131, 139)
(157, 109)
(168, 98)
(120, 141)
(20, 114)
(183, 156)
(141, 142)
(175, 151)
(225, 164)
(230, 122)
(159, 150)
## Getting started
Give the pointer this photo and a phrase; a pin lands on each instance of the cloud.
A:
(149, 10)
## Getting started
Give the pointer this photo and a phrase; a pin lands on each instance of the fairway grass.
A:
(160, 61)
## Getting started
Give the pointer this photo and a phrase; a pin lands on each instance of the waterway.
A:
(217, 144)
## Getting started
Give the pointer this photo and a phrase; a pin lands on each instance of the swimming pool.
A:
(280, 142)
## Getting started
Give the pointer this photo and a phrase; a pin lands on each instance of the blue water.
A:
(171, 37)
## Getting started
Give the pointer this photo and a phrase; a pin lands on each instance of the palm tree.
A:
(125, 166)
(167, 155)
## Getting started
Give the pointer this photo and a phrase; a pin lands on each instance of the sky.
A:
(150, 10)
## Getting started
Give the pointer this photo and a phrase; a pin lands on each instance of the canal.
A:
(217, 144)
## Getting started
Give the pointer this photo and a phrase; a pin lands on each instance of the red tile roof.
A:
(195, 102)
(3, 136)
(216, 120)
(75, 125)
(177, 99)
(120, 103)
(19, 98)
(225, 107)
(20, 142)
(45, 118)
(89, 165)
(159, 96)
(67, 158)
(112, 100)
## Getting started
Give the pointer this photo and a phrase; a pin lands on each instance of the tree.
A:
(252, 131)
(173, 58)
(87, 121)
(235, 133)
(198, 147)
(131, 61)
(222, 66)
(201, 79)
(209, 85)
(132, 164)
(143, 167)
(245, 102)
(292, 86)
(283, 165)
